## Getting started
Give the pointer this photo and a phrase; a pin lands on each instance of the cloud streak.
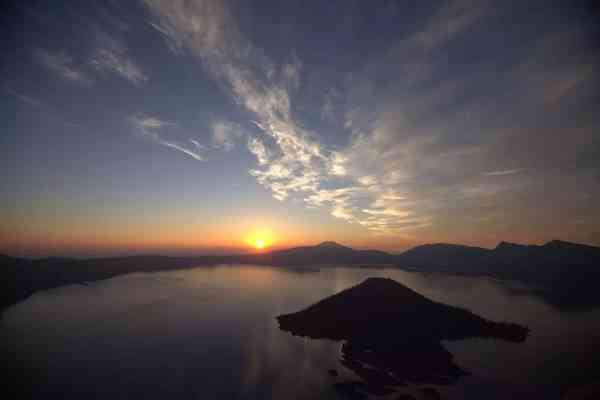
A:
(118, 63)
(154, 129)
(25, 98)
(63, 65)
(105, 53)
(112, 56)
(502, 172)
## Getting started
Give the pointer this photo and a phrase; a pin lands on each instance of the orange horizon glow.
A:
(94, 236)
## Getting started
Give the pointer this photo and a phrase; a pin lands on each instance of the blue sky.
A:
(184, 126)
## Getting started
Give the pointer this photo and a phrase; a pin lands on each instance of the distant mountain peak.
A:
(568, 246)
(553, 244)
(331, 244)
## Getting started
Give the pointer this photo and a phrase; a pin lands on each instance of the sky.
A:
(197, 127)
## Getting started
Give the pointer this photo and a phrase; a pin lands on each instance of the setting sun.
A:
(260, 239)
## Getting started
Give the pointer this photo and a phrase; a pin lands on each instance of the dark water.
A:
(211, 333)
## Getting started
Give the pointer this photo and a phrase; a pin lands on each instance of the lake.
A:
(211, 333)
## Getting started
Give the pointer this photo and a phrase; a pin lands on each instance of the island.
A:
(393, 335)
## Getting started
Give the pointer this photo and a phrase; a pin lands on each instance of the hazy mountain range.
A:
(564, 273)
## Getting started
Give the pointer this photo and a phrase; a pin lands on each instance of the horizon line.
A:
(277, 249)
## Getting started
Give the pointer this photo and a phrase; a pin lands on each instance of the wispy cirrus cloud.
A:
(502, 172)
(110, 55)
(99, 52)
(25, 98)
(102, 62)
(225, 135)
(158, 131)
(435, 137)
(62, 64)
(292, 161)
(422, 136)
(119, 63)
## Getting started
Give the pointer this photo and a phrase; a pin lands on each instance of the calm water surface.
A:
(211, 333)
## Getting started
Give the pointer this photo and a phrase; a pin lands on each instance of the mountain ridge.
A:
(565, 270)
(329, 244)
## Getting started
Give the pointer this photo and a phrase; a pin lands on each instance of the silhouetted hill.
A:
(566, 273)
(383, 309)
(504, 259)
(443, 257)
(323, 253)
(395, 331)
(328, 244)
